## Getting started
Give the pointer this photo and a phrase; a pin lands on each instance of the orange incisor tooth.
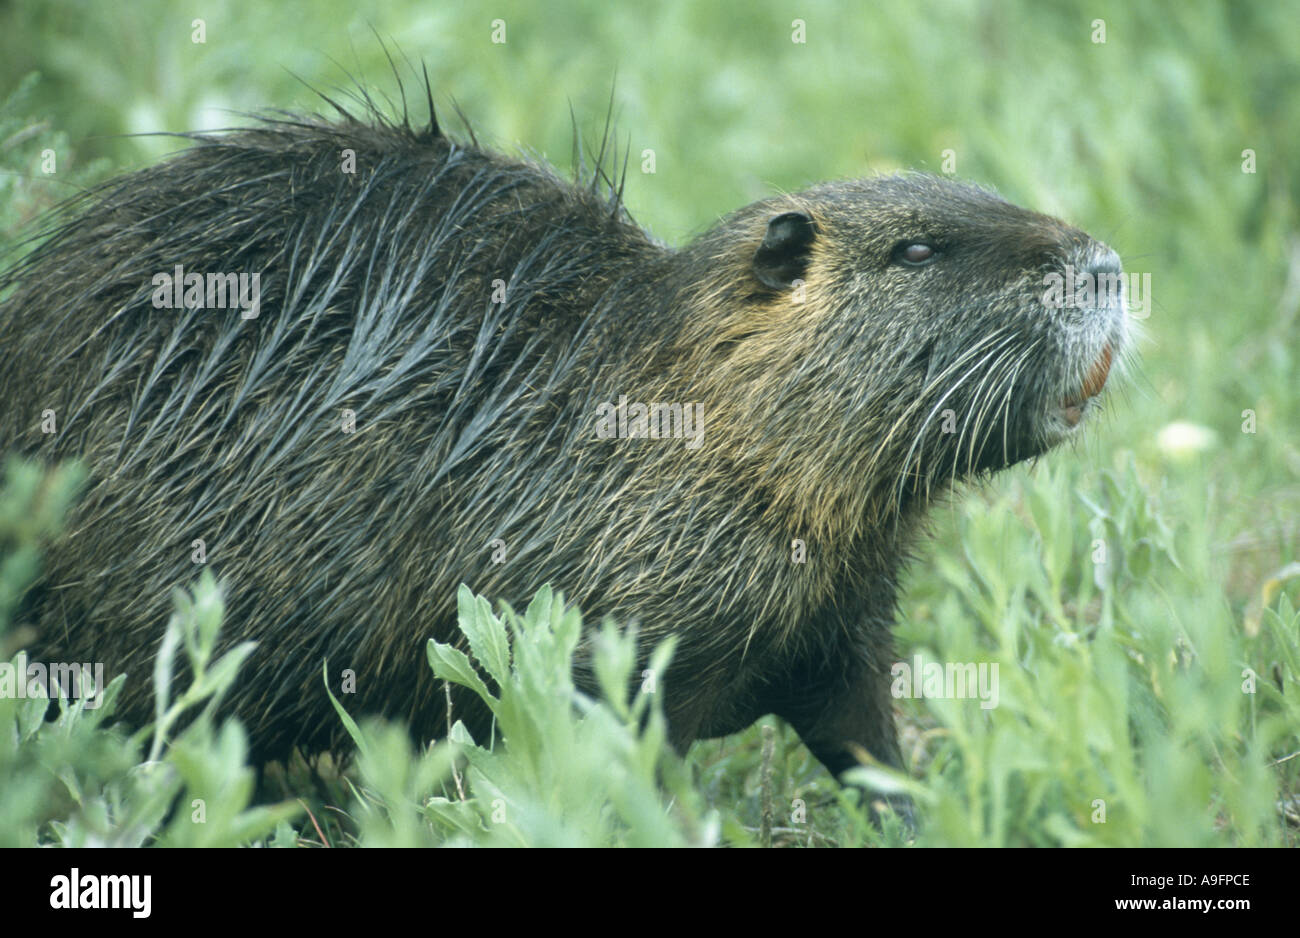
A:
(1096, 379)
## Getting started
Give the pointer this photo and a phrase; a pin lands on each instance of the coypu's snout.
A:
(1088, 295)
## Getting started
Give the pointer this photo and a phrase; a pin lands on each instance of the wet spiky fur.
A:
(475, 419)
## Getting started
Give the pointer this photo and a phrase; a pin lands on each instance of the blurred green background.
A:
(1138, 139)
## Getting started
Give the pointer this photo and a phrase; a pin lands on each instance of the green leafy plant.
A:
(562, 769)
(75, 781)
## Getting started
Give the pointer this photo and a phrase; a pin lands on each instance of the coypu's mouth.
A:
(1072, 408)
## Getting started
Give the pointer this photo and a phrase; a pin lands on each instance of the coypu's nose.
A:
(1099, 267)
(1104, 261)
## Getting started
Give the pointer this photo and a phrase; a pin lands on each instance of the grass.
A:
(1150, 681)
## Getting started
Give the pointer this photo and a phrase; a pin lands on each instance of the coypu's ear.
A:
(782, 258)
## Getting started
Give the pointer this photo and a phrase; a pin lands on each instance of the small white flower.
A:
(1181, 439)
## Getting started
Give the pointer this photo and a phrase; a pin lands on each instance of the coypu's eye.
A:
(914, 253)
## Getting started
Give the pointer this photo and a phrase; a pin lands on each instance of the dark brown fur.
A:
(476, 420)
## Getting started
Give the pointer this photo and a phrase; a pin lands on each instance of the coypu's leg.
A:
(841, 705)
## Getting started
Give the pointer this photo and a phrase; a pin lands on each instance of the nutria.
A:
(441, 375)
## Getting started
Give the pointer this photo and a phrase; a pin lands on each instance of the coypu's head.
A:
(929, 324)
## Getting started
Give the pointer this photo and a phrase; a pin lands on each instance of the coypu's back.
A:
(480, 317)
(376, 294)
